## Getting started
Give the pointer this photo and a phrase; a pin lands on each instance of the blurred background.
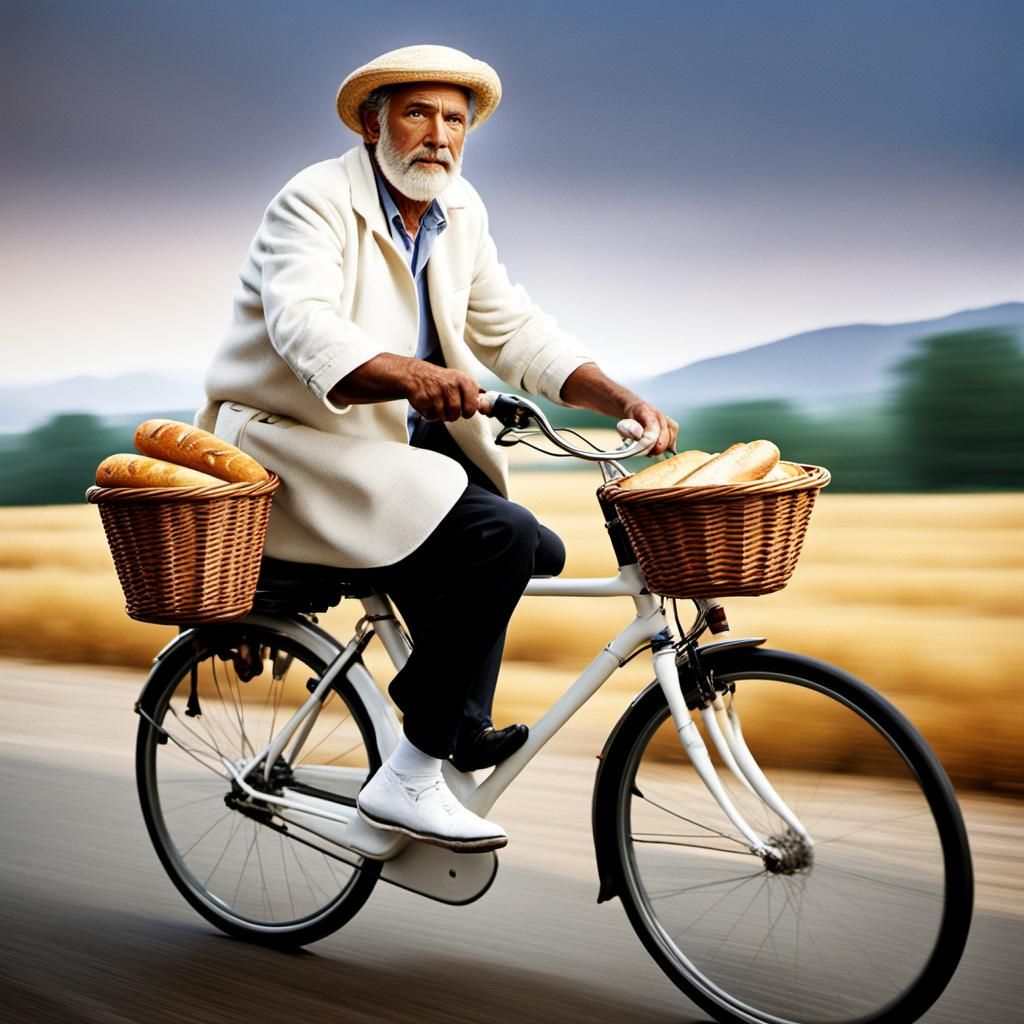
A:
(799, 221)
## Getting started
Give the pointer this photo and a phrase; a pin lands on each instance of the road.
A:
(91, 930)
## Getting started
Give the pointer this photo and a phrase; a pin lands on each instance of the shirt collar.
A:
(435, 217)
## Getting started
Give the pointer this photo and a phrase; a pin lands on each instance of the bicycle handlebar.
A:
(515, 413)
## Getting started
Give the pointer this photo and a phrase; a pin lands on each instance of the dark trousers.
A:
(456, 593)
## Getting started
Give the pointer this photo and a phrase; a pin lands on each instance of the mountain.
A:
(834, 365)
(818, 368)
(22, 408)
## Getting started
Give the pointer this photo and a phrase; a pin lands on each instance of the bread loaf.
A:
(785, 471)
(197, 449)
(666, 473)
(740, 463)
(142, 471)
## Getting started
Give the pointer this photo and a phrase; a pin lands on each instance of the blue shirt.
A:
(417, 252)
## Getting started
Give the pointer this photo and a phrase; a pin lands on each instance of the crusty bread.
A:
(740, 463)
(142, 471)
(785, 471)
(665, 473)
(200, 450)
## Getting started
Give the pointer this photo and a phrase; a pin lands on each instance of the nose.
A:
(437, 132)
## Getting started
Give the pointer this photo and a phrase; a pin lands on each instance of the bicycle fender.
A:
(612, 760)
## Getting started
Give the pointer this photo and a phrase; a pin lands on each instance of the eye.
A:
(415, 113)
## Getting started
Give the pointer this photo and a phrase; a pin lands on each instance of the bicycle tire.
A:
(747, 968)
(326, 893)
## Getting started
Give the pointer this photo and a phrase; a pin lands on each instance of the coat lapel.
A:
(365, 200)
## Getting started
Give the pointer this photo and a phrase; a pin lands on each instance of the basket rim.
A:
(202, 492)
(816, 477)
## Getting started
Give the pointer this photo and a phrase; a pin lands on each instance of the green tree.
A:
(714, 427)
(957, 411)
(55, 463)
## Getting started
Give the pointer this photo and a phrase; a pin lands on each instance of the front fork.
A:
(687, 686)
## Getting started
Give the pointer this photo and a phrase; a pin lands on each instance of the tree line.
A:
(950, 422)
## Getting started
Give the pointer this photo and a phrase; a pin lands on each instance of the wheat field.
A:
(922, 596)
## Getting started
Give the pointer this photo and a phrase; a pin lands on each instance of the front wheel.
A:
(865, 923)
(220, 697)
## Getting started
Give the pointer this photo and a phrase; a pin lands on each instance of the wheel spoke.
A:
(656, 841)
(690, 821)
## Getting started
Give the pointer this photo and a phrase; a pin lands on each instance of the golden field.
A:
(922, 596)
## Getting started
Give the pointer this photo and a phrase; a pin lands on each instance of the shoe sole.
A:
(455, 845)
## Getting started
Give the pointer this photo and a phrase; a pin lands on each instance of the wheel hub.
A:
(794, 854)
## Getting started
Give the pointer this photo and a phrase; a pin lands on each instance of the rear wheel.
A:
(866, 923)
(232, 857)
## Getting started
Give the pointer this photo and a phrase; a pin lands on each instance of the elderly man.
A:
(348, 367)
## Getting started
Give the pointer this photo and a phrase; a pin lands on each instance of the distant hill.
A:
(834, 365)
(29, 405)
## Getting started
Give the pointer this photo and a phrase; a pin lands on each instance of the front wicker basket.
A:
(729, 540)
(187, 555)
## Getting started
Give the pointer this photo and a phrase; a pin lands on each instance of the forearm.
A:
(435, 392)
(588, 388)
(383, 378)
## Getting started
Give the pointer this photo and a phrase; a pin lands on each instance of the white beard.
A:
(410, 178)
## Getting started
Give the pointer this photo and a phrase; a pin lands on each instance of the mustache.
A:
(437, 156)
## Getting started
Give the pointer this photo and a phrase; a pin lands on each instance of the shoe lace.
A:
(437, 790)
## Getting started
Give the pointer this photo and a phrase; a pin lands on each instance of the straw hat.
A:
(420, 64)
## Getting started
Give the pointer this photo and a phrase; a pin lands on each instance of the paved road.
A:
(91, 930)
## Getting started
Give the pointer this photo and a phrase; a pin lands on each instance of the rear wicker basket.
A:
(728, 540)
(186, 554)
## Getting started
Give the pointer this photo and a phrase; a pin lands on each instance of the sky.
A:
(670, 180)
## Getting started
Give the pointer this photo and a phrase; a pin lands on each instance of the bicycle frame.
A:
(650, 623)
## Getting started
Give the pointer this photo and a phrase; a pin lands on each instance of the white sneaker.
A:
(425, 808)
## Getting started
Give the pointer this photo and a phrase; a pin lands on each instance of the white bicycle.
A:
(768, 885)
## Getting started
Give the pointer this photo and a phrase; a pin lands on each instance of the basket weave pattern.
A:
(730, 540)
(186, 554)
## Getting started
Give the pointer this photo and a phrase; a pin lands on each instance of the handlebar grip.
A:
(485, 402)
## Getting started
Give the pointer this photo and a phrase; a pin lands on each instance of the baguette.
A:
(197, 449)
(141, 471)
(665, 473)
(785, 471)
(740, 463)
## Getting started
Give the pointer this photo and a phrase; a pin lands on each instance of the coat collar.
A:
(365, 199)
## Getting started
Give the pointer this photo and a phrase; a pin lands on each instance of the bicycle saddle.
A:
(304, 586)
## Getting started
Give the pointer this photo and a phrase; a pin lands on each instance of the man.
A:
(348, 369)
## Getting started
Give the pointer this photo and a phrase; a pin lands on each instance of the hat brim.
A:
(357, 87)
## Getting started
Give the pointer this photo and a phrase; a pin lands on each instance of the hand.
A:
(654, 421)
(439, 393)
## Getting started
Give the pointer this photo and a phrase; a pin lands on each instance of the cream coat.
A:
(323, 290)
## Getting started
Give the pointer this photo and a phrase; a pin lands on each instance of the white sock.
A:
(407, 759)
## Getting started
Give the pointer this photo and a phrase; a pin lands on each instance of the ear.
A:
(371, 125)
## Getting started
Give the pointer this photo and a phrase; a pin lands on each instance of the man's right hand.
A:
(435, 392)
(439, 393)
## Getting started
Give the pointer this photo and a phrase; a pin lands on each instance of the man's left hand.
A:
(588, 388)
(654, 421)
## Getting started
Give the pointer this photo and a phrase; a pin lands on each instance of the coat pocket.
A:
(232, 419)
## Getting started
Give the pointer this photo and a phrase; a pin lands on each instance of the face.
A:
(419, 141)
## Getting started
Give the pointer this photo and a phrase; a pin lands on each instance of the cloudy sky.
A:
(671, 180)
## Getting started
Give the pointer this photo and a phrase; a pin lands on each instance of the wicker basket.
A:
(186, 554)
(728, 540)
